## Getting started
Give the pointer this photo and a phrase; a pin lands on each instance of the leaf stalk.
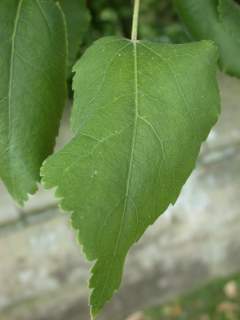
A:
(136, 10)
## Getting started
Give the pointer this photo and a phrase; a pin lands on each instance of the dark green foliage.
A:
(32, 89)
(158, 20)
(77, 22)
(217, 20)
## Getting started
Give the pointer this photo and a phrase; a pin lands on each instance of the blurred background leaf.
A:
(158, 20)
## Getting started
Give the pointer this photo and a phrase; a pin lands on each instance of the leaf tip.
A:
(22, 196)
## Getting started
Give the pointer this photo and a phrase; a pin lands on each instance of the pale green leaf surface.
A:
(77, 19)
(32, 89)
(217, 20)
(141, 112)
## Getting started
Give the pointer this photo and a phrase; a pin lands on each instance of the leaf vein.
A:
(181, 93)
(129, 177)
(44, 16)
(105, 75)
(154, 131)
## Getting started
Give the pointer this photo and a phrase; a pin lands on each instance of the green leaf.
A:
(217, 20)
(139, 118)
(77, 19)
(32, 89)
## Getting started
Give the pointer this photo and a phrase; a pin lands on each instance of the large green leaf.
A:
(218, 20)
(32, 89)
(140, 116)
(77, 18)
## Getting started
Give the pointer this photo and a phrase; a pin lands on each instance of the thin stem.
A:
(135, 20)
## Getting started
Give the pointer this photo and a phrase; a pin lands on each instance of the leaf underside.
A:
(32, 89)
(217, 20)
(141, 111)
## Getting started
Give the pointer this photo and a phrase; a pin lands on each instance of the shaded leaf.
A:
(32, 89)
(139, 118)
(217, 20)
(77, 19)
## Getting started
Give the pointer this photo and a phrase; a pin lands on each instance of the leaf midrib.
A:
(133, 143)
(129, 175)
(10, 94)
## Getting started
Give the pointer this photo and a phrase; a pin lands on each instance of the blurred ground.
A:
(219, 300)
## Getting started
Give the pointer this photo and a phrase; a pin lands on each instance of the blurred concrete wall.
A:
(43, 274)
